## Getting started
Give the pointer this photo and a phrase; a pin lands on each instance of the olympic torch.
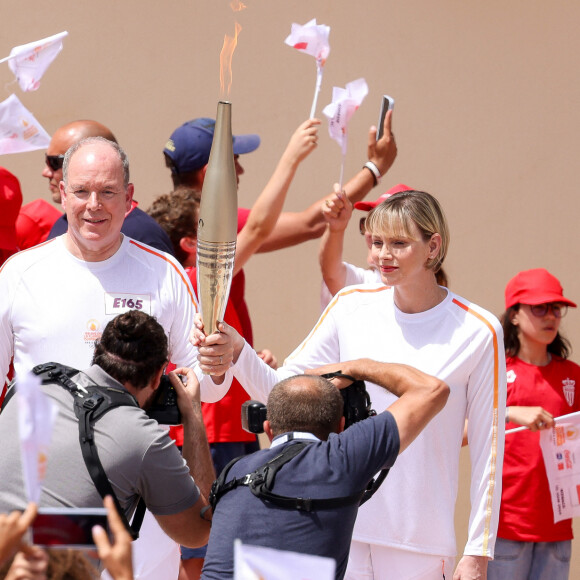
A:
(218, 223)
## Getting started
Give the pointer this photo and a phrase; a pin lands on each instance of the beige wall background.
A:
(486, 118)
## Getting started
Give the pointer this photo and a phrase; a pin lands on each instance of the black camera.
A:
(253, 416)
(357, 401)
(164, 407)
(357, 406)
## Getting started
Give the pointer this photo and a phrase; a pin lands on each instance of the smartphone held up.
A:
(387, 104)
(67, 527)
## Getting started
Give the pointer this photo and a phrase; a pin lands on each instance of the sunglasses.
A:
(54, 161)
(558, 310)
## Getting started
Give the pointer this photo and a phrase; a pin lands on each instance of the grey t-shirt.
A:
(137, 455)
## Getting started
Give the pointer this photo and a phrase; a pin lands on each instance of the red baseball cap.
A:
(533, 287)
(368, 205)
(10, 202)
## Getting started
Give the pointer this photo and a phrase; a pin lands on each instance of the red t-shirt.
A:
(238, 288)
(5, 254)
(34, 223)
(223, 419)
(526, 513)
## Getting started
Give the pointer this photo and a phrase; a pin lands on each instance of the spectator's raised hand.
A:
(12, 527)
(337, 210)
(384, 151)
(303, 141)
(117, 556)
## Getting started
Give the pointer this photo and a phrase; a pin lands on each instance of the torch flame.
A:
(237, 5)
(226, 60)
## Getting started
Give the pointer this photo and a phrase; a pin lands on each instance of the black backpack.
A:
(90, 404)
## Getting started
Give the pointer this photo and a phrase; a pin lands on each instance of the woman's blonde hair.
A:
(394, 216)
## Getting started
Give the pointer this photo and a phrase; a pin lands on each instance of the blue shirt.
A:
(339, 467)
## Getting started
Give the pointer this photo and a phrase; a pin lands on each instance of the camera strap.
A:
(90, 404)
(261, 480)
(357, 406)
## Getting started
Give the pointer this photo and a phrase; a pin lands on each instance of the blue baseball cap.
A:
(189, 145)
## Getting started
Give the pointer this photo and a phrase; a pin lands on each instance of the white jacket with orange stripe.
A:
(458, 342)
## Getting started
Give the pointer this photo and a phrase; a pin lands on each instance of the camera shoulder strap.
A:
(261, 480)
(221, 486)
(90, 404)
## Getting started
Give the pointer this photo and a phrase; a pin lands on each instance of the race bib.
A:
(117, 303)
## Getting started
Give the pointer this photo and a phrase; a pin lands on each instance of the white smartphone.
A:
(67, 527)
(387, 104)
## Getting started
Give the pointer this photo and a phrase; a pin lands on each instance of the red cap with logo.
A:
(368, 205)
(10, 202)
(533, 287)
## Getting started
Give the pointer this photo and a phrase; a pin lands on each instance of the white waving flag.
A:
(561, 451)
(19, 130)
(36, 416)
(312, 39)
(258, 563)
(344, 103)
(29, 61)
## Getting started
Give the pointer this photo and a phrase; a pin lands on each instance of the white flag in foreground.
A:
(29, 61)
(312, 39)
(561, 450)
(36, 416)
(19, 130)
(344, 103)
(258, 563)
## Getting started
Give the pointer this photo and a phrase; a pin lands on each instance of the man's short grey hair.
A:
(87, 141)
(308, 403)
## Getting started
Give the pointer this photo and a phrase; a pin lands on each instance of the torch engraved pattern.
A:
(218, 221)
(215, 265)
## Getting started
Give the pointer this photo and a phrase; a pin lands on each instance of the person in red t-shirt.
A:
(10, 202)
(34, 223)
(541, 385)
